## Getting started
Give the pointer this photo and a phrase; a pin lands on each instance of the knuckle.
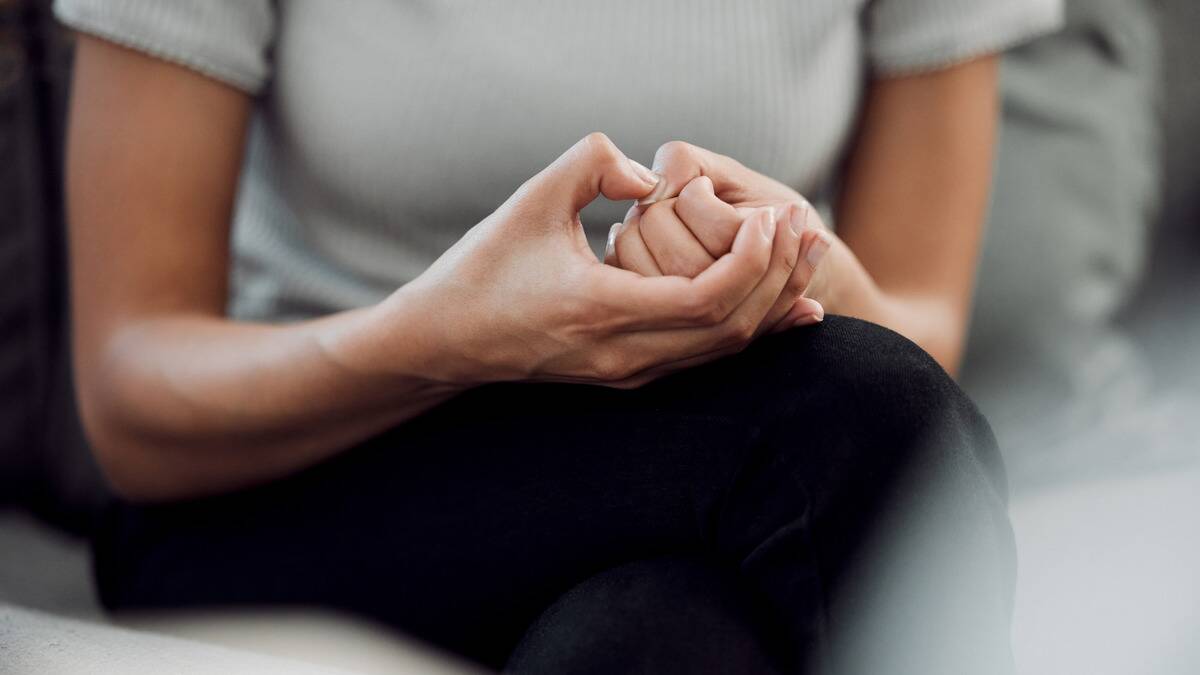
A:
(576, 312)
(740, 329)
(720, 308)
(599, 146)
(628, 244)
(649, 222)
(692, 267)
(597, 139)
(585, 310)
(687, 199)
(621, 239)
(656, 215)
(713, 315)
(694, 194)
(675, 151)
(622, 243)
(697, 308)
(609, 366)
(682, 150)
(709, 311)
(633, 382)
(789, 254)
(708, 308)
(797, 283)
(575, 322)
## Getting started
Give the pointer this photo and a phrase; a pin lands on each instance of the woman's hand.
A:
(180, 400)
(683, 235)
(521, 296)
(911, 209)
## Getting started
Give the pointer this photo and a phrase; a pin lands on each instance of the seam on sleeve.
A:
(240, 79)
(981, 40)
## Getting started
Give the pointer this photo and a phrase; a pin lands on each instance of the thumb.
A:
(594, 166)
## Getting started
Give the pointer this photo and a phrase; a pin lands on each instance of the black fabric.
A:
(807, 464)
(665, 615)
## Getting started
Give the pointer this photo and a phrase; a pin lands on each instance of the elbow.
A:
(121, 459)
(143, 432)
(137, 431)
(127, 475)
(135, 468)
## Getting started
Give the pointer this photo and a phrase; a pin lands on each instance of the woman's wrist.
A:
(385, 346)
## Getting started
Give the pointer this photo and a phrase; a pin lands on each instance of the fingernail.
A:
(816, 251)
(610, 247)
(799, 218)
(645, 174)
(660, 189)
(810, 318)
(767, 222)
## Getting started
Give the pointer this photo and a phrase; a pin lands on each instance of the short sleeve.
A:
(912, 36)
(228, 40)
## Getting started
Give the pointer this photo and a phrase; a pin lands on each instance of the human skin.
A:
(909, 218)
(684, 235)
(181, 401)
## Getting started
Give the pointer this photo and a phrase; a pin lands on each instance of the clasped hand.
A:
(704, 265)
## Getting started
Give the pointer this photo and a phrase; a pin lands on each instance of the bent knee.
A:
(860, 366)
(887, 395)
(844, 347)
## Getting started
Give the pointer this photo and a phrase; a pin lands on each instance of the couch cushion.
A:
(33, 642)
(1076, 190)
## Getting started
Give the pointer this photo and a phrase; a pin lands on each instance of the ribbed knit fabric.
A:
(385, 129)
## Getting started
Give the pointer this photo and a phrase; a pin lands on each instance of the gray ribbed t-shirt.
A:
(384, 129)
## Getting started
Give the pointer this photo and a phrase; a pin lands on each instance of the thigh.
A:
(461, 526)
(677, 614)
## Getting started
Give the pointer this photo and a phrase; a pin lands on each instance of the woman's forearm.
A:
(182, 402)
(179, 401)
(187, 405)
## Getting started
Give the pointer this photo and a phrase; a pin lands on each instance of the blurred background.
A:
(1085, 355)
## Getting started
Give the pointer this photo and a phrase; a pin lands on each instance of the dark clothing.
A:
(834, 476)
(664, 615)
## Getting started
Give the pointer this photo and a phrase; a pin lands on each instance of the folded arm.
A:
(176, 398)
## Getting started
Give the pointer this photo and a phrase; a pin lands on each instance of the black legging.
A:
(829, 492)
